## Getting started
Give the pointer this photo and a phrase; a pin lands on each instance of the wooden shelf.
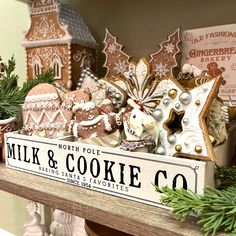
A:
(121, 214)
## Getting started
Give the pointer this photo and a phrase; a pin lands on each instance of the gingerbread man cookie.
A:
(92, 122)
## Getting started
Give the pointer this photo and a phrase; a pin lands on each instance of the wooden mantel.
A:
(121, 214)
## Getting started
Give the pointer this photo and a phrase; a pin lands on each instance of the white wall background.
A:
(13, 20)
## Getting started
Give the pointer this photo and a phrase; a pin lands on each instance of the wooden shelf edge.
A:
(114, 212)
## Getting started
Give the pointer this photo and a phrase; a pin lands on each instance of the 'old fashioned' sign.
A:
(112, 171)
(213, 49)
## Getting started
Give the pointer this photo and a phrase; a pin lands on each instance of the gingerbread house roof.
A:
(76, 31)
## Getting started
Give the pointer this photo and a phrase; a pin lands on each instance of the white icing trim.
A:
(133, 104)
(93, 135)
(50, 42)
(225, 114)
(45, 106)
(106, 123)
(91, 122)
(57, 66)
(41, 97)
(75, 130)
(38, 119)
(87, 106)
(29, 127)
(34, 10)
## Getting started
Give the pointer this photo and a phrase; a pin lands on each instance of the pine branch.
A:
(11, 96)
(216, 209)
(225, 176)
(47, 77)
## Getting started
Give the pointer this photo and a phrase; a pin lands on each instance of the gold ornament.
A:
(198, 149)
(178, 148)
(172, 93)
(198, 102)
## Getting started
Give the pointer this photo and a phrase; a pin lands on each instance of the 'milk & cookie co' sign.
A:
(112, 171)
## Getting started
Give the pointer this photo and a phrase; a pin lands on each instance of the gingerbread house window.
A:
(37, 66)
(57, 66)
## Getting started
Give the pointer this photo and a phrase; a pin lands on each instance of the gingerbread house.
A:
(59, 39)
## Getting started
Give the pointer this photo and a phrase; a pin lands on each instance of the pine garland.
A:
(216, 209)
(225, 176)
(12, 96)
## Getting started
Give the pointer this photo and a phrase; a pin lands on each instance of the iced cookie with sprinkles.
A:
(181, 119)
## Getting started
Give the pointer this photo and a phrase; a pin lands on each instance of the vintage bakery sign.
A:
(213, 49)
(112, 171)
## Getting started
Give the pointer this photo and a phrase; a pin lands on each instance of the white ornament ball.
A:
(205, 89)
(177, 105)
(117, 96)
(185, 98)
(185, 121)
(161, 150)
(166, 101)
(171, 138)
(158, 114)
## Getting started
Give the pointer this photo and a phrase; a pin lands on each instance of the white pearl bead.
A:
(185, 121)
(161, 150)
(185, 98)
(166, 101)
(158, 114)
(171, 138)
(177, 105)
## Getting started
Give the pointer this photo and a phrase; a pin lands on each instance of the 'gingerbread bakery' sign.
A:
(213, 50)
(125, 174)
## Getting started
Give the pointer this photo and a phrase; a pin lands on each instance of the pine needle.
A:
(216, 209)
(225, 176)
(12, 96)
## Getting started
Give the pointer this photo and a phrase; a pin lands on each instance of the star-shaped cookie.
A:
(181, 117)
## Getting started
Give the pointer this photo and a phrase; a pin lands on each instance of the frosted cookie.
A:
(181, 119)
(140, 129)
(47, 112)
(117, 61)
(162, 62)
(43, 114)
(92, 121)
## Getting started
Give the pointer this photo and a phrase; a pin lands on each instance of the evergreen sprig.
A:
(225, 176)
(11, 95)
(216, 209)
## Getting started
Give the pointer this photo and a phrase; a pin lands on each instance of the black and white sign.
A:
(125, 174)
